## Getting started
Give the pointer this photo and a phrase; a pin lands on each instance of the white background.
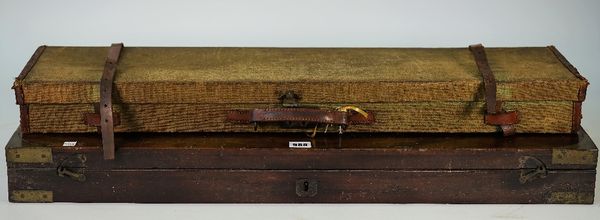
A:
(573, 26)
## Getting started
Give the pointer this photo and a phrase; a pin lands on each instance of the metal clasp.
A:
(76, 175)
(289, 99)
(530, 174)
(73, 167)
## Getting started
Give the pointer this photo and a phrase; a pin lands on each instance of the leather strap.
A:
(495, 115)
(298, 115)
(106, 110)
(576, 118)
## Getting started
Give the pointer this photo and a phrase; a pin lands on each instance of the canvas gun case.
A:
(443, 90)
(261, 168)
(449, 90)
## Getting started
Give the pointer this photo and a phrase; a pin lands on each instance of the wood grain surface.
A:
(333, 186)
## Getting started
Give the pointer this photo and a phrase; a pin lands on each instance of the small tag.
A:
(300, 144)
(69, 143)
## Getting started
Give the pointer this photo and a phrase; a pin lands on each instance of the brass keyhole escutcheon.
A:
(306, 187)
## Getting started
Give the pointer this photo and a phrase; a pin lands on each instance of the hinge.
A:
(571, 198)
(29, 155)
(568, 156)
(31, 196)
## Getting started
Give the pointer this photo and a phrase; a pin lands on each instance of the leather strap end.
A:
(358, 119)
(508, 130)
(114, 53)
(502, 118)
(474, 46)
(239, 116)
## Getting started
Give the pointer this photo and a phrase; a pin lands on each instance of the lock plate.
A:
(289, 99)
(306, 187)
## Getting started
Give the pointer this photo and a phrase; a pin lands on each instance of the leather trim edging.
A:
(583, 89)
(577, 116)
(18, 87)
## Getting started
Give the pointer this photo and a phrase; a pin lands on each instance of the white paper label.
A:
(300, 144)
(69, 143)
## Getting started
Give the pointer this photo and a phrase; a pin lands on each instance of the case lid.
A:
(319, 75)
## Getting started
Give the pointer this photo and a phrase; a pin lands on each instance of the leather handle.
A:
(299, 115)
(309, 115)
